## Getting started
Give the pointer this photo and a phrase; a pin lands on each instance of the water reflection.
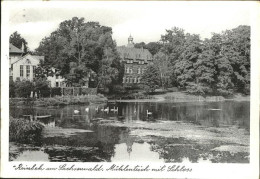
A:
(201, 113)
(135, 151)
(112, 143)
(28, 155)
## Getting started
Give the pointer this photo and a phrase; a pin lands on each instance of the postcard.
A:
(127, 89)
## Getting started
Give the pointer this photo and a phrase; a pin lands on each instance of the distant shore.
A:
(57, 101)
(166, 97)
(183, 97)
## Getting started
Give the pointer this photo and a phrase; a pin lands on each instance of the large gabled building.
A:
(135, 61)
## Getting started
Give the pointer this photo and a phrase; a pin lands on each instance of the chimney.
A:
(22, 47)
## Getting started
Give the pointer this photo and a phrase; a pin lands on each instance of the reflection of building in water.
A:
(129, 144)
(132, 112)
(128, 112)
(128, 140)
(108, 137)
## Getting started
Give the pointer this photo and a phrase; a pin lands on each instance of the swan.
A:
(107, 109)
(76, 111)
(148, 113)
(116, 110)
(87, 109)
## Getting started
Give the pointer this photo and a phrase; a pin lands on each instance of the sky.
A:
(145, 21)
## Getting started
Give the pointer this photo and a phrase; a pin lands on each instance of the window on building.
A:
(130, 70)
(141, 62)
(27, 71)
(124, 80)
(21, 70)
(34, 68)
(139, 70)
(139, 80)
(130, 80)
(135, 80)
(57, 84)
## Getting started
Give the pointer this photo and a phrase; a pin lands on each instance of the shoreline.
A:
(170, 97)
(182, 97)
(58, 101)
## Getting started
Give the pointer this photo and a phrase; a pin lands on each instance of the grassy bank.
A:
(24, 131)
(181, 96)
(58, 100)
(184, 97)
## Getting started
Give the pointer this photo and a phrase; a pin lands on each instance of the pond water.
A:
(79, 132)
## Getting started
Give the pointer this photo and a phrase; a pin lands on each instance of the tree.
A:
(23, 88)
(151, 78)
(153, 47)
(18, 41)
(236, 45)
(41, 85)
(162, 62)
(184, 66)
(11, 88)
(173, 42)
(78, 48)
(140, 45)
(205, 71)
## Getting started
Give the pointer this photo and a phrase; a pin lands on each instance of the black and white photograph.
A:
(129, 82)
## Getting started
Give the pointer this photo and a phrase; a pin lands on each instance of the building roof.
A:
(14, 49)
(33, 56)
(134, 53)
(38, 57)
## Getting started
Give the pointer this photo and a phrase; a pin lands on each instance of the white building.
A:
(56, 80)
(23, 67)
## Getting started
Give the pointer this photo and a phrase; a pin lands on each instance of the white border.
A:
(198, 170)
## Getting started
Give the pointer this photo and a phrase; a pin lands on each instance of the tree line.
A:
(86, 50)
(216, 66)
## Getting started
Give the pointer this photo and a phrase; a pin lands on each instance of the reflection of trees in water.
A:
(75, 154)
(179, 149)
(104, 138)
(103, 141)
(16, 149)
(233, 113)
